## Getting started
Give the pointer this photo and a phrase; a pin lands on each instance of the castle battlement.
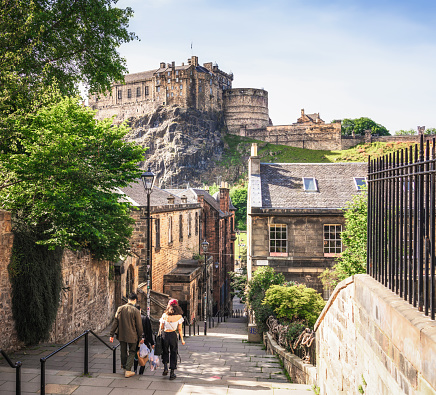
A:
(187, 85)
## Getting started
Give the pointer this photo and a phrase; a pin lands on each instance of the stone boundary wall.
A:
(87, 301)
(369, 339)
(300, 372)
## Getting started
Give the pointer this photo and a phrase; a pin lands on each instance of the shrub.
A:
(293, 303)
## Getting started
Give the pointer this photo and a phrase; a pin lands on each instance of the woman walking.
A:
(170, 322)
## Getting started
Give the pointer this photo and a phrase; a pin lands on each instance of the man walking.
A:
(128, 326)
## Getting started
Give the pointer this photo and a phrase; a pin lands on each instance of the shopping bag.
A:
(143, 350)
(158, 344)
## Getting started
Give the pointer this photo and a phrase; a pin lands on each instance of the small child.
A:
(154, 362)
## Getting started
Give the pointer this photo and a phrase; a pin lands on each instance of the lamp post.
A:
(148, 181)
(205, 246)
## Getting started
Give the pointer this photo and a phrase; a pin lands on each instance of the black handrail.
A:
(86, 359)
(16, 366)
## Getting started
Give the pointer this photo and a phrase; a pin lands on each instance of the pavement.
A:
(220, 363)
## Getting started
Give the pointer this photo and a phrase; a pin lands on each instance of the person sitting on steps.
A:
(171, 321)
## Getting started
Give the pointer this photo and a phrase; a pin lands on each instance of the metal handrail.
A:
(16, 366)
(86, 359)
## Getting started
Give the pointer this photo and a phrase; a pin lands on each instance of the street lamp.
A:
(205, 246)
(148, 180)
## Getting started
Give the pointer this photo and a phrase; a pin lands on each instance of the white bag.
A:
(143, 350)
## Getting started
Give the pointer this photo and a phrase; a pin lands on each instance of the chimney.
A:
(170, 199)
(224, 199)
(200, 199)
(253, 161)
(206, 188)
(162, 65)
(169, 65)
(189, 61)
(194, 60)
(302, 112)
(173, 65)
(184, 199)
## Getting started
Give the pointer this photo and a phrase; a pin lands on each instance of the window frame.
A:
(180, 227)
(274, 240)
(170, 230)
(129, 93)
(329, 252)
(120, 94)
(359, 188)
(314, 182)
(157, 234)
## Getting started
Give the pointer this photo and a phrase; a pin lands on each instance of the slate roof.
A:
(158, 197)
(139, 76)
(282, 184)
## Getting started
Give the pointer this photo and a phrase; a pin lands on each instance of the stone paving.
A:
(220, 363)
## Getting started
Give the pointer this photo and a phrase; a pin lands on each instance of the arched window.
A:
(130, 280)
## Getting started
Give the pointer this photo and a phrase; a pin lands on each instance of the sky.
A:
(341, 59)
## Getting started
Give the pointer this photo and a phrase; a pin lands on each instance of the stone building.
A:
(188, 85)
(175, 247)
(218, 229)
(295, 216)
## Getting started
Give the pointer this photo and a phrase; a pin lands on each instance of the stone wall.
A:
(246, 108)
(87, 301)
(88, 298)
(369, 339)
(8, 338)
(299, 371)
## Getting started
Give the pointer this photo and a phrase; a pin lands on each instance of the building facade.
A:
(295, 215)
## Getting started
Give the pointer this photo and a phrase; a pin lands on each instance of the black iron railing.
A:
(401, 223)
(85, 334)
(17, 367)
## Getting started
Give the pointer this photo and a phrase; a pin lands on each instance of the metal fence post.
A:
(85, 367)
(114, 360)
(18, 378)
(42, 376)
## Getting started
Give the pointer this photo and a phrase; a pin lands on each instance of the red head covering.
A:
(173, 302)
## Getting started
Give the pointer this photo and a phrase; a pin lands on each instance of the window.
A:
(129, 93)
(181, 87)
(130, 280)
(332, 240)
(169, 80)
(157, 232)
(210, 81)
(278, 240)
(199, 89)
(211, 91)
(177, 72)
(146, 91)
(120, 95)
(181, 93)
(309, 184)
(170, 230)
(138, 91)
(189, 224)
(196, 224)
(180, 227)
(158, 89)
(168, 95)
(172, 94)
(360, 182)
(169, 73)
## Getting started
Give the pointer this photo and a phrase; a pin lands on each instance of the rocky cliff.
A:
(184, 144)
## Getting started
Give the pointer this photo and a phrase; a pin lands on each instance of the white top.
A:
(170, 326)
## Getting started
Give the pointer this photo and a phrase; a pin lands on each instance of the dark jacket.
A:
(127, 324)
(147, 335)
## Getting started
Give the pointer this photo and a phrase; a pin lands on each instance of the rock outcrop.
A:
(184, 144)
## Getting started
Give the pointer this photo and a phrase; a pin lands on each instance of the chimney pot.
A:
(254, 149)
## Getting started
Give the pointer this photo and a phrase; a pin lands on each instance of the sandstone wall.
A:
(371, 340)
(246, 108)
(86, 303)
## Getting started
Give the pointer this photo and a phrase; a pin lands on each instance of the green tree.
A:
(238, 195)
(262, 279)
(295, 303)
(360, 125)
(65, 176)
(409, 132)
(238, 283)
(354, 237)
(68, 41)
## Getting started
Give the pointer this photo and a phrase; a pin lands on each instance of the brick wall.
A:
(86, 303)
(369, 337)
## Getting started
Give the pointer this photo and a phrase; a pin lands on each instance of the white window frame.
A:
(277, 250)
(332, 251)
(314, 183)
(358, 188)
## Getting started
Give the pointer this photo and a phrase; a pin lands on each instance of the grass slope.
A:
(238, 150)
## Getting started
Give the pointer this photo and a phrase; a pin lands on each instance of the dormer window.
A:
(360, 182)
(309, 184)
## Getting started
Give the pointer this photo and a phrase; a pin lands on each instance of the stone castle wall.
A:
(87, 301)
(246, 108)
(371, 341)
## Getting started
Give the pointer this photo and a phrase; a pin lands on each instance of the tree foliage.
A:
(68, 41)
(412, 132)
(294, 303)
(354, 237)
(360, 125)
(238, 283)
(239, 200)
(262, 279)
(64, 174)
